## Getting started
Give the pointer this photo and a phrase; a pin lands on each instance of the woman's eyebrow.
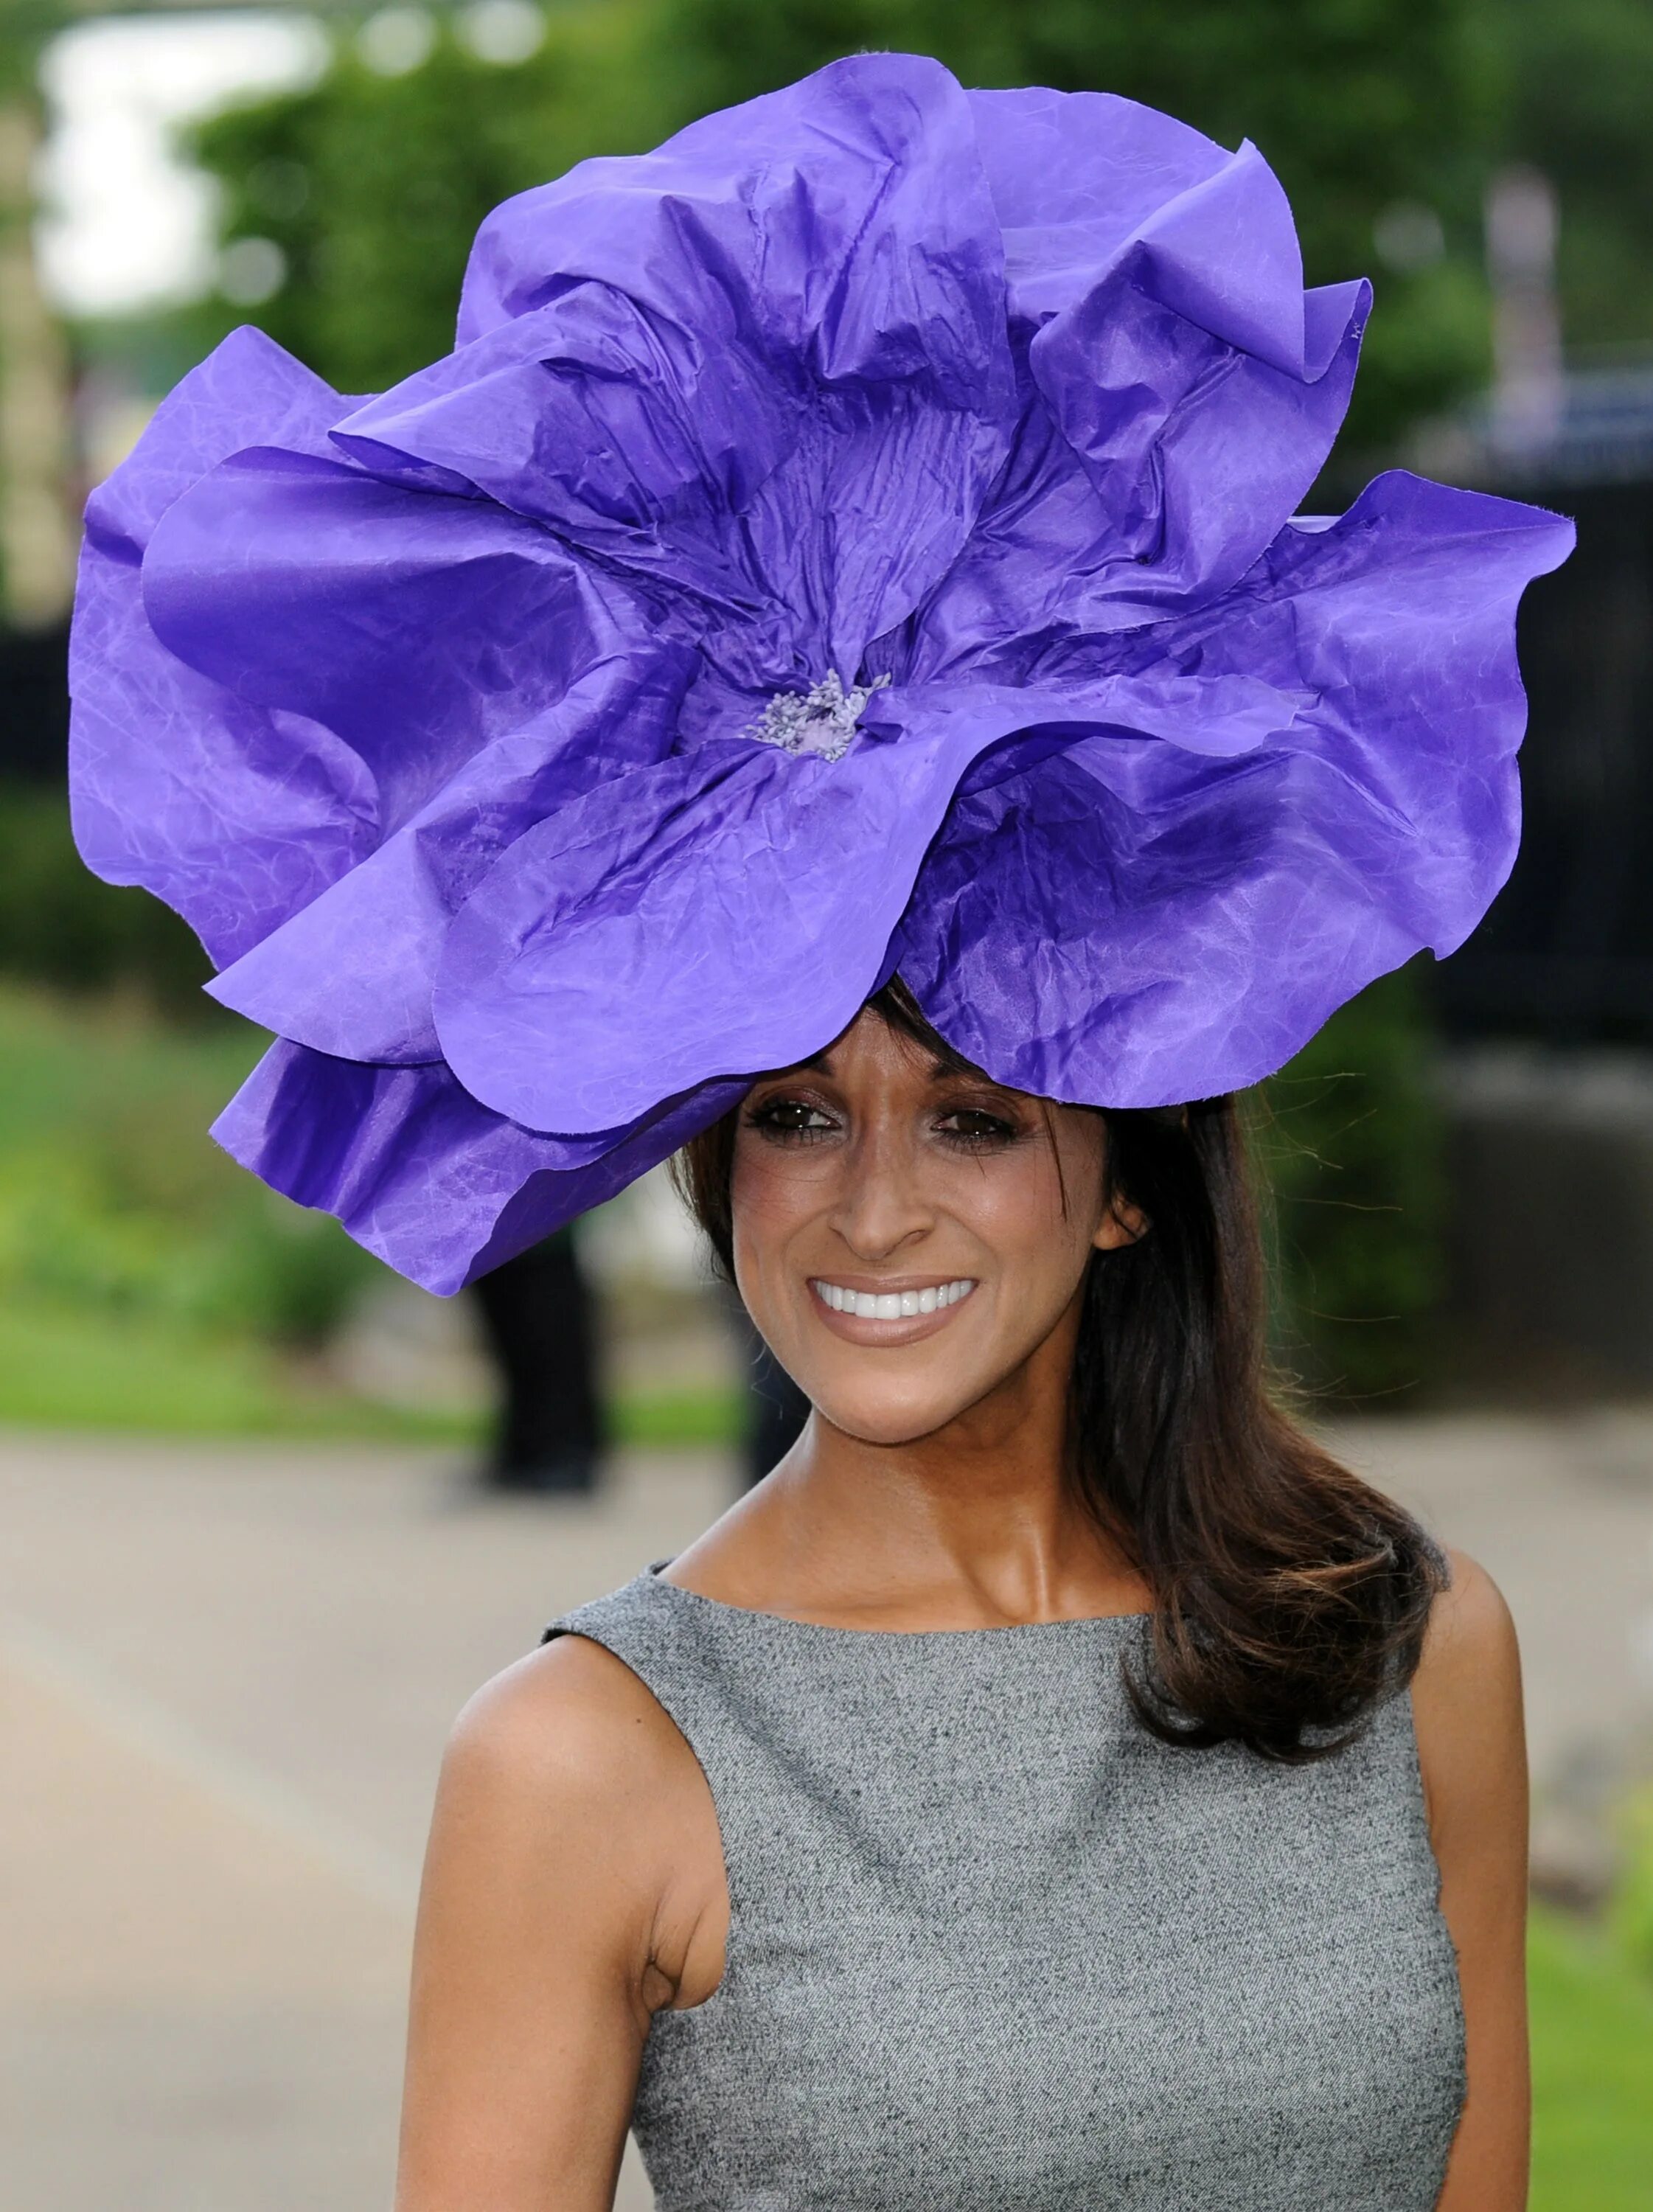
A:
(949, 1071)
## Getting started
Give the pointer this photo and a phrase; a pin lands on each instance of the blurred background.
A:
(269, 1513)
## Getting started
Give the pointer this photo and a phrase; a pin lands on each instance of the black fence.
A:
(1566, 955)
(34, 703)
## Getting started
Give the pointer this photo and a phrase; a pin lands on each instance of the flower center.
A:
(822, 720)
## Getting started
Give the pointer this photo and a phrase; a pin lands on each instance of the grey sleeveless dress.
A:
(995, 1948)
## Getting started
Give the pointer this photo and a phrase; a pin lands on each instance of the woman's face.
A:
(910, 1238)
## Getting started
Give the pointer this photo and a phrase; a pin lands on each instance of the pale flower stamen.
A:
(822, 720)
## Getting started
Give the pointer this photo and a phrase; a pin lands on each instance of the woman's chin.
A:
(890, 1416)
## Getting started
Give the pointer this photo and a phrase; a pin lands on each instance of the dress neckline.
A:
(654, 1575)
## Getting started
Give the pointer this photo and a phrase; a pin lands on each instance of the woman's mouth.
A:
(906, 1301)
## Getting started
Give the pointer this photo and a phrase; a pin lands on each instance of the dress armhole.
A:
(675, 1709)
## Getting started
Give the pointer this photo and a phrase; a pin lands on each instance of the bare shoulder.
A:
(570, 1729)
(1470, 1648)
(569, 1799)
(1466, 1695)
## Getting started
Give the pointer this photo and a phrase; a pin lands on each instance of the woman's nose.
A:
(882, 1205)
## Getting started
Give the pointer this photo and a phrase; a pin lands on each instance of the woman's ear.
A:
(1122, 1224)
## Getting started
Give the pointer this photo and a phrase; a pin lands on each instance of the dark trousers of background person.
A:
(540, 1326)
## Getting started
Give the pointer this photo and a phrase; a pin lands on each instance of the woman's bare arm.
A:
(1472, 1750)
(574, 1885)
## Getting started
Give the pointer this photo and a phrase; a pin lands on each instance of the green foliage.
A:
(1357, 104)
(373, 187)
(1592, 2032)
(1351, 1148)
(148, 1283)
(1574, 81)
(60, 926)
(115, 1201)
(1632, 1902)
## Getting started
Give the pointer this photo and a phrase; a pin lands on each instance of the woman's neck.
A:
(977, 1525)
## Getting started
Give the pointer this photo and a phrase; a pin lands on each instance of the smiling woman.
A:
(1058, 1783)
(827, 674)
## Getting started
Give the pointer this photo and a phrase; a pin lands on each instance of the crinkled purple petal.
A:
(739, 903)
(1220, 713)
(436, 1185)
(236, 812)
(1074, 176)
(1124, 924)
(416, 627)
(766, 367)
(735, 903)
(352, 974)
(1184, 405)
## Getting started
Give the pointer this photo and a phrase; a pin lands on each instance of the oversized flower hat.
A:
(857, 538)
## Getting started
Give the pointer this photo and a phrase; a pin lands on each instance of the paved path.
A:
(225, 1674)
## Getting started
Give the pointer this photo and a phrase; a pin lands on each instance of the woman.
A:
(1013, 1800)
(841, 611)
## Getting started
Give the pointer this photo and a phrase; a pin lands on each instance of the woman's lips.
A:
(867, 1312)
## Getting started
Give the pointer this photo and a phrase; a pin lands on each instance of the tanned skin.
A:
(574, 1883)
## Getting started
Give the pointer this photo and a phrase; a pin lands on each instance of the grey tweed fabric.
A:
(995, 1948)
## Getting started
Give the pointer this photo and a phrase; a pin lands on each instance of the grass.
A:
(1592, 2073)
(62, 1369)
(65, 1368)
(668, 1419)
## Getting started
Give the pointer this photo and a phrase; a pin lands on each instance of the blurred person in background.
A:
(539, 1325)
(839, 612)
(774, 1408)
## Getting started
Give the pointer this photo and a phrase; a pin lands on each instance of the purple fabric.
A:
(420, 1174)
(970, 428)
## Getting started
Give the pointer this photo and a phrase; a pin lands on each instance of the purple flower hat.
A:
(859, 536)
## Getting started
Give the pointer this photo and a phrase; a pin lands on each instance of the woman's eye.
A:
(790, 1117)
(972, 1124)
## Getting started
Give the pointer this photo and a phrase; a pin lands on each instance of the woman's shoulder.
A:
(1471, 1638)
(571, 1725)
(1466, 1694)
(573, 1843)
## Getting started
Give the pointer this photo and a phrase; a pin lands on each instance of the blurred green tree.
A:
(61, 926)
(370, 187)
(1575, 89)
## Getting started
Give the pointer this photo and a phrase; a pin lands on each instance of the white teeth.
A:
(890, 1305)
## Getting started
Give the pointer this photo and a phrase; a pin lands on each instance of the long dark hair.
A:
(1290, 1597)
